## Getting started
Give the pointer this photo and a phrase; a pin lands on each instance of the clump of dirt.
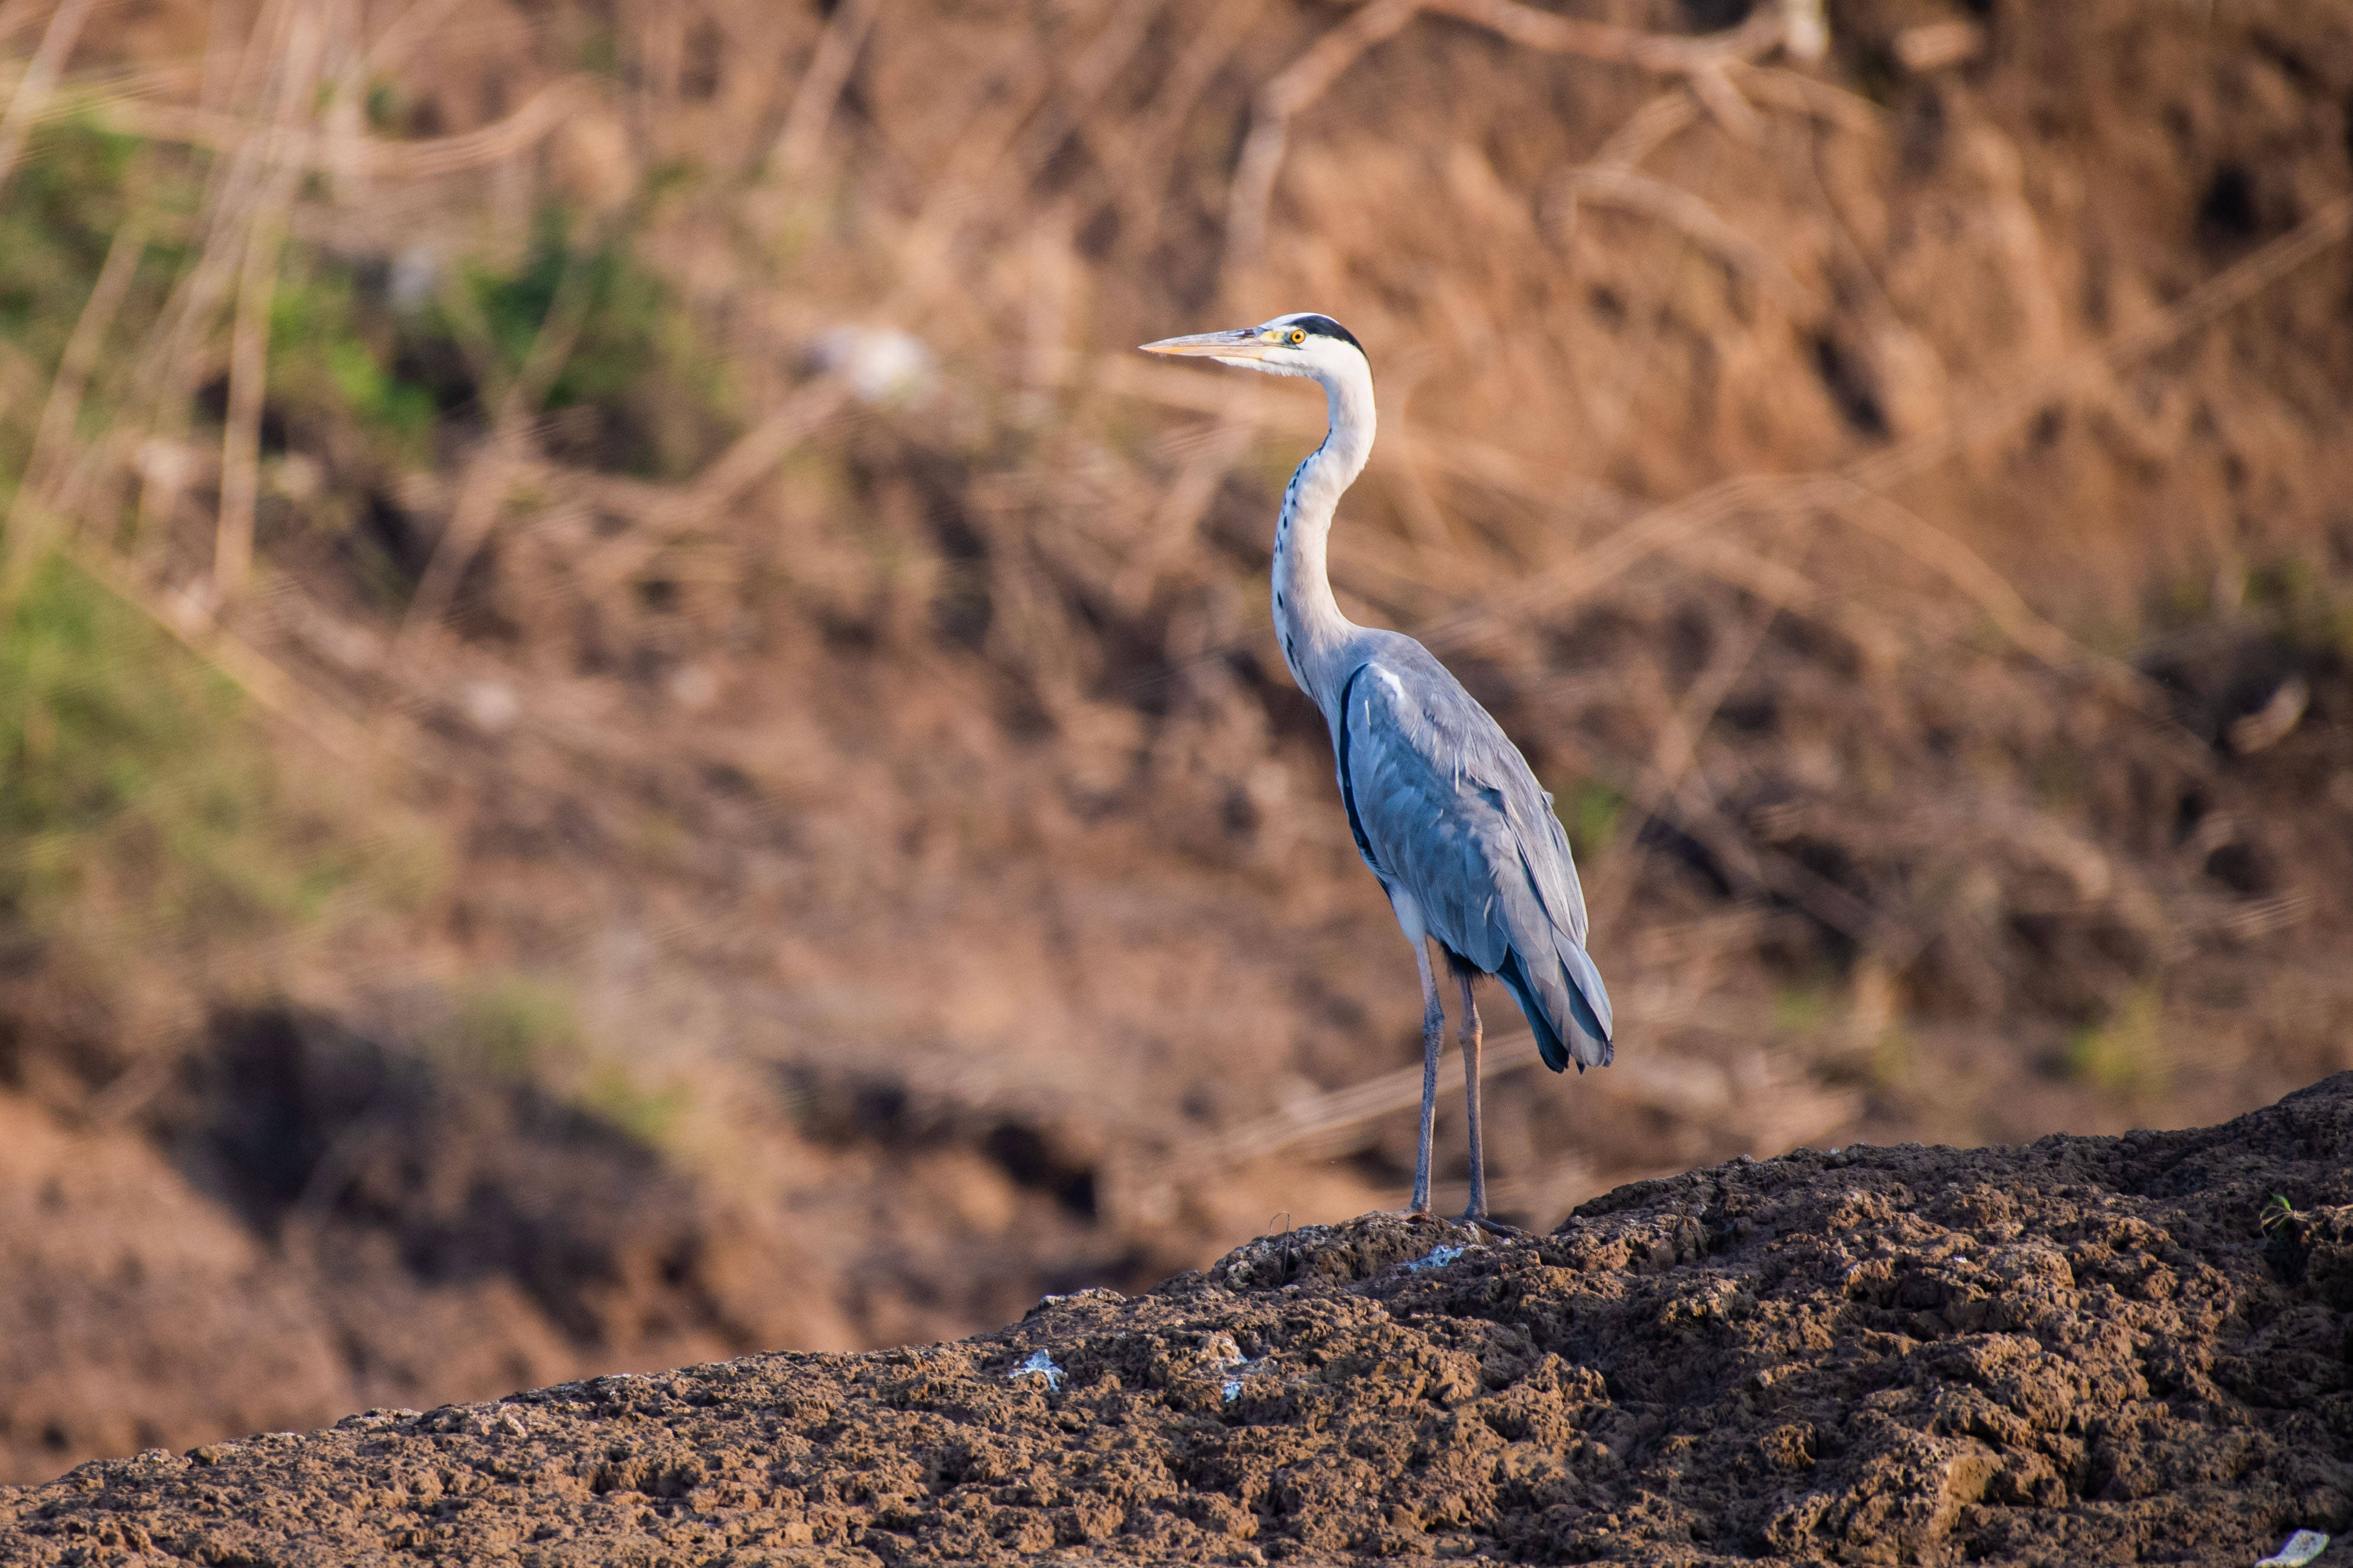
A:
(2085, 1350)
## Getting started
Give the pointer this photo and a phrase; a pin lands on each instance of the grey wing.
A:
(1443, 805)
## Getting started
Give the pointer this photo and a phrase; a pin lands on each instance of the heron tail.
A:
(1566, 1005)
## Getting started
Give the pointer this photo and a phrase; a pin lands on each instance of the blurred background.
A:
(631, 731)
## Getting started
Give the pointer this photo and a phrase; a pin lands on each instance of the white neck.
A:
(1307, 618)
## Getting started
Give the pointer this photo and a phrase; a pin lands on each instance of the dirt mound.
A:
(2087, 1350)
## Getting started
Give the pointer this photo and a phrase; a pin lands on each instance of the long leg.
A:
(1434, 1037)
(1469, 1024)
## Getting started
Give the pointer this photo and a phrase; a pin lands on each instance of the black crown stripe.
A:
(1325, 327)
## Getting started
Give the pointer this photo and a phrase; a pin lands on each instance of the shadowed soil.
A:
(2086, 1350)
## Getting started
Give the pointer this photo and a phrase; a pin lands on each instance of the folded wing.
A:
(1444, 804)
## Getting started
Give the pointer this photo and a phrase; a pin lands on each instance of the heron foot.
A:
(1490, 1225)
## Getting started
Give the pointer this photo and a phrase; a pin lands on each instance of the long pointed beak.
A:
(1240, 343)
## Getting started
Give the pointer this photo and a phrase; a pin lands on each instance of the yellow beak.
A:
(1241, 343)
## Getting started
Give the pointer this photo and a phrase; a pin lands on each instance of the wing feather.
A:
(1443, 805)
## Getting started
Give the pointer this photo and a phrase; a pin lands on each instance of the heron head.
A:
(1301, 344)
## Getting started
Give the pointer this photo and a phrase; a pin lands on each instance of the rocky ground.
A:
(2084, 1349)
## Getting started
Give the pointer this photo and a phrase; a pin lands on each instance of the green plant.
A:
(636, 358)
(130, 784)
(330, 353)
(1590, 813)
(1804, 1007)
(529, 1027)
(651, 1116)
(518, 1025)
(1890, 1063)
(61, 210)
(2124, 1052)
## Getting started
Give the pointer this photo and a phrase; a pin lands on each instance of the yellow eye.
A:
(1298, 334)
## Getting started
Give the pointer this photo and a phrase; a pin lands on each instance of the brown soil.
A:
(2086, 1350)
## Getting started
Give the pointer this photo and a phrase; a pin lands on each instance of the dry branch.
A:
(192, 623)
(1649, 128)
(1306, 79)
(1298, 85)
(1798, 93)
(485, 488)
(1135, 163)
(1660, 53)
(32, 94)
(298, 67)
(1968, 571)
(55, 432)
(404, 33)
(372, 157)
(1577, 580)
(2233, 285)
(820, 88)
(1089, 76)
(29, 524)
(1606, 185)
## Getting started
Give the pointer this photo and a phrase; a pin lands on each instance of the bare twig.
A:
(1712, 84)
(1091, 74)
(1135, 165)
(762, 447)
(1662, 54)
(1653, 531)
(1306, 79)
(1643, 132)
(55, 432)
(29, 528)
(1737, 564)
(234, 187)
(820, 88)
(2226, 289)
(193, 624)
(1611, 186)
(32, 94)
(1299, 84)
(250, 345)
(404, 33)
(1170, 530)
(1676, 752)
(1968, 571)
(373, 157)
(480, 497)
(241, 434)
(487, 478)
(1798, 93)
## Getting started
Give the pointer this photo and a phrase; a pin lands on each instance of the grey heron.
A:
(1443, 807)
